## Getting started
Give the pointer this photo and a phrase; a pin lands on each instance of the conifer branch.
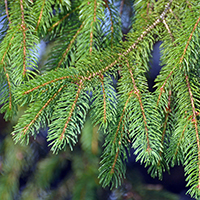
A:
(132, 47)
(72, 109)
(111, 21)
(24, 37)
(6, 72)
(7, 14)
(116, 134)
(40, 16)
(168, 110)
(115, 160)
(168, 29)
(7, 49)
(122, 116)
(144, 33)
(115, 151)
(26, 128)
(194, 120)
(9, 87)
(69, 46)
(180, 61)
(137, 93)
(188, 42)
(80, 73)
(92, 25)
(47, 83)
(61, 20)
(182, 136)
(104, 99)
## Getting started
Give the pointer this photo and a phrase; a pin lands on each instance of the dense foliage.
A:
(78, 78)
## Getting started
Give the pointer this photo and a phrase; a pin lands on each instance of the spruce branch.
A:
(104, 99)
(194, 120)
(115, 153)
(65, 129)
(9, 105)
(48, 82)
(24, 36)
(80, 74)
(104, 103)
(72, 110)
(28, 125)
(62, 19)
(69, 46)
(7, 13)
(40, 16)
(92, 25)
(180, 61)
(9, 88)
(168, 29)
(111, 21)
(137, 93)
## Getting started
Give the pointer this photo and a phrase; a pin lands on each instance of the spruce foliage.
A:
(77, 80)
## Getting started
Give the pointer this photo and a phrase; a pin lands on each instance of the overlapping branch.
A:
(180, 61)
(24, 37)
(26, 128)
(72, 110)
(92, 25)
(40, 16)
(194, 120)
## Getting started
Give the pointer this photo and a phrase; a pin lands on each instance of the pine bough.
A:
(77, 79)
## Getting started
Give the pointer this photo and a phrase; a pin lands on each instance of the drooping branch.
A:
(7, 14)
(137, 92)
(7, 49)
(182, 136)
(115, 161)
(40, 16)
(169, 31)
(9, 87)
(168, 110)
(92, 25)
(72, 109)
(180, 61)
(7, 74)
(49, 82)
(111, 21)
(117, 131)
(104, 98)
(194, 120)
(122, 115)
(61, 20)
(69, 46)
(24, 37)
(132, 47)
(25, 129)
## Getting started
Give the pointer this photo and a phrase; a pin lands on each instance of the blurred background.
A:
(32, 172)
